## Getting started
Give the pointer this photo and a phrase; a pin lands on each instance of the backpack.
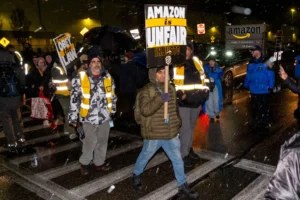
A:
(8, 83)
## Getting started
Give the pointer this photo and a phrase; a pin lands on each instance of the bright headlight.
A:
(213, 53)
(229, 53)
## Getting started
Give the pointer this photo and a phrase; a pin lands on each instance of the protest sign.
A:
(65, 49)
(165, 32)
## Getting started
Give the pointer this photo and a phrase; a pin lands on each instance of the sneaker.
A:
(188, 162)
(186, 192)
(102, 168)
(193, 156)
(46, 122)
(73, 136)
(84, 169)
(137, 184)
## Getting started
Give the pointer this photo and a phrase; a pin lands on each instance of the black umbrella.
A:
(110, 38)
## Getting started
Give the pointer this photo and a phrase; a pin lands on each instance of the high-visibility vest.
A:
(61, 85)
(179, 77)
(26, 68)
(86, 88)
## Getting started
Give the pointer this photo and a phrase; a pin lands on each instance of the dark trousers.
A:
(260, 108)
(9, 116)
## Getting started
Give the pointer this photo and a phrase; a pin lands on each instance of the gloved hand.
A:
(165, 97)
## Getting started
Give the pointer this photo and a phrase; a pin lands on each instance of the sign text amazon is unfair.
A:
(165, 25)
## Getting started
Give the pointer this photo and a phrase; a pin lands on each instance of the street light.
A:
(293, 10)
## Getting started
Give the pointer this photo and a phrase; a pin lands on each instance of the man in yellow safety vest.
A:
(93, 99)
(192, 91)
(62, 87)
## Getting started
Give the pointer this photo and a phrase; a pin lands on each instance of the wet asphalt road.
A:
(234, 160)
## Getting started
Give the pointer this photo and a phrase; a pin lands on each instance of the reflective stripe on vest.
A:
(61, 85)
(26, 68)
(86, 88)
(179, 77)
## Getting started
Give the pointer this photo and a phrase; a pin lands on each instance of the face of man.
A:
(160, 76)
(256, 54)
(95, 66)
(212, 63)
(34, 59)
(49, 59)
(126, 59)
(188, 54)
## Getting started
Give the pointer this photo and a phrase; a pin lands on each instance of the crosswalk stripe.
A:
(210, 155)
(113, 178)
(256, 167)
(255, 190)
(170, 189)
(46, 152)
(59, 171)
(38, 140)
(31, 187)
(57, 191)
(32, 128)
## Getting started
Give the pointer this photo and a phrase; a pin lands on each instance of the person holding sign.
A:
(190, 82)
(149, 112)
(93, 99)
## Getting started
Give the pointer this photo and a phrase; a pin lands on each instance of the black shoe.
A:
(188, 162)
(137, 184)
(185, 191)
(193, 156)
(218, 117)
(84, 169)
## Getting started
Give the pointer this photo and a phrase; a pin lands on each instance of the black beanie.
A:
(159, 68)
(91, 56)
(190, 44)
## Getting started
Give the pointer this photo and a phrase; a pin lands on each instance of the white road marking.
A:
(256, 167)
(59, 171)
(113, 178)
(170, 189)
(254, 190)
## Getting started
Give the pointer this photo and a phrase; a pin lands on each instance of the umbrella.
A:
(111, 38)
(140, 58)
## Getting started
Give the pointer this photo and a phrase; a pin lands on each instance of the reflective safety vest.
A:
(86, 88)
(26, 68)
(179, 77)
(61, 85)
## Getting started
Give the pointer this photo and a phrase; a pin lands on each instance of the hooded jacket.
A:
(98, 112)
(259, 78)
(285, 183)
(153, 126)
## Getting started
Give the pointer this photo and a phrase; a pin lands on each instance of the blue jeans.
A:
(172, 149)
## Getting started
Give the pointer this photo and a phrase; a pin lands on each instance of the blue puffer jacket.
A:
(259, 78)
(297, 67)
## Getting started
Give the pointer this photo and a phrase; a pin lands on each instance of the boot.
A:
(188, 162)
(186, 192)
(137, 184)
(84, 169)
(193, 156)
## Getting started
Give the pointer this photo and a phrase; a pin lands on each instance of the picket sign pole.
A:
(166, 117)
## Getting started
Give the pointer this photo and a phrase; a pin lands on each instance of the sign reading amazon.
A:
(245, 36)
(165, 33)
